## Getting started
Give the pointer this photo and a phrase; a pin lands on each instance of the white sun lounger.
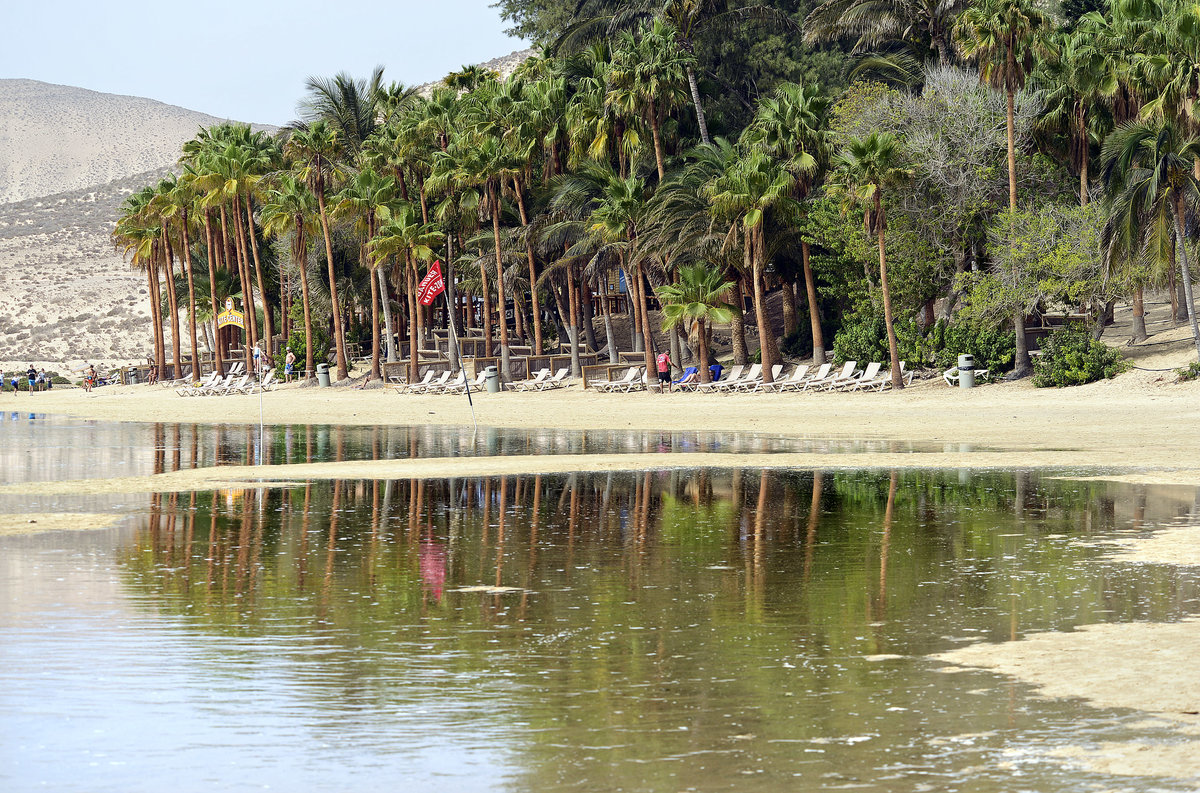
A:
(757, 385)
(460, 387)
(795, 378)
(559, 380)
(457, 381)
(431, 386)
(190, 390)
(404, 386)
(751, 375)
(733, 375)
(866, 376)
(619, 385)
(530, 384)
(846, 372)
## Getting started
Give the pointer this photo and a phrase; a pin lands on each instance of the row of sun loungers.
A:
(749, 379)
(236, 368)
(215, 385)
(434, 383)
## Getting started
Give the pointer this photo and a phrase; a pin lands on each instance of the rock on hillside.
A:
(55, 138)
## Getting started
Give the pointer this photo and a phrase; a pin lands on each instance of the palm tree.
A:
(648, 77)
(791, 124)
(313, 149)
(753, 185)
(1151, 164)
(405, 233)
(291, 209)
(865, 169)
(1003, 36)
(921, 25)
(367, 198)
(351, 107)
(699, 299)
(138, 237)
(177, 201)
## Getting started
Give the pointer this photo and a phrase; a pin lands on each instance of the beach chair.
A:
(795, 379)
(755, 386)
(458, 388)
(866, 376)
(190, 390)
(431, 386)
(559, 380)
(458, 380)
(211, 388)
(264, 383)
(178, 381)
(885, 378)
(730, 377)
(951, 376)
(403, 386)
(687, 376)
(223, 389)
(846, 372)
(797, 382)
(531, 383)
(749, 376)
(618, 385)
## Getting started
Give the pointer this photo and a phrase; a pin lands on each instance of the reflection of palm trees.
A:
(814, 517)
(884, 544)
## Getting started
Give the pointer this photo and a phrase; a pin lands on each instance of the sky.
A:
(247, 60)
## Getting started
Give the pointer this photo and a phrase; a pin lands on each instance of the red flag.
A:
(431, 285)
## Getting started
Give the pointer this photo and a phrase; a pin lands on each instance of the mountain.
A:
(55, 138)
(68, 158)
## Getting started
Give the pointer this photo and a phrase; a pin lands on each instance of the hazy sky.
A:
(244, 60)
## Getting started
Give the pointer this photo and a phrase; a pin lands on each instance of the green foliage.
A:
(862, 337)
(296, 340)
(993, 346)
(1189, 372)
(1070, 356)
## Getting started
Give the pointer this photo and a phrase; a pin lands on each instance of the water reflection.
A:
(674, 630)
(36, 447)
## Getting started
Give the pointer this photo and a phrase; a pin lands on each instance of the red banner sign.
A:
(432, 285)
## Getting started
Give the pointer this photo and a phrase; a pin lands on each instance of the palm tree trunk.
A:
(533, 295)
(187, 263)
(754, 239)
(247, 285)
(1139, 317)
(411, 273)
(702, 343)
(701, 121)
(172, 300)
(376, 374)
(587, 311)
(1083, 170)
(573, 331)
(309, 370)
(737, 324)
(790, 311)
(889, 323)
(268, 323)
(505, 366)
(385, 304)
(814, 314)
(343, 371)
(647, 333)
(155, 308)
(1010, 125)
(1187, 275)
(218, 363)
(656, 133)
(608, 324)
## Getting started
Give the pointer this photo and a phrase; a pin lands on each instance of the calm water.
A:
(653, 631)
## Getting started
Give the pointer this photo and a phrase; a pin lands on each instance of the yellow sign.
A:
(231, 317)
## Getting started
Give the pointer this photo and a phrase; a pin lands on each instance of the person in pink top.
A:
(664, 371)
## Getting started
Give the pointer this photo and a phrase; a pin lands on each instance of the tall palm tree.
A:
(754, 185)
(367, 198)
(313, 149)
(791, 124)
(649, 77)
(921, 25)
(351, 107)
(178, 199)
(865, 169)
(700, 300)
(1003, 37)
(1151, 164)
(405, 234)
(290, 209)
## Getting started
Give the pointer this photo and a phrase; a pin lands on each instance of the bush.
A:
(1189, 372)
(994, 347)
(862, 337)
(1070, 356)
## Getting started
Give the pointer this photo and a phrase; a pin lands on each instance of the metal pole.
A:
(458, 354)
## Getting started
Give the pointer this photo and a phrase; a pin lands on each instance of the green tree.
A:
(291, 211)
(865, 169)
(699, 300)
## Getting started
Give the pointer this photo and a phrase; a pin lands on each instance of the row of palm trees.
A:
(539, 189)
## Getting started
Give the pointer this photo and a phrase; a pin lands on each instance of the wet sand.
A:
(37, 522)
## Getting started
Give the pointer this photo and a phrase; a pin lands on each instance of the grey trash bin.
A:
(966, 371)
(133, 378)
(491, 379)
(323, 375)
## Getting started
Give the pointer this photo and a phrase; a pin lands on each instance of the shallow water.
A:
(38, 447)
(649, 631)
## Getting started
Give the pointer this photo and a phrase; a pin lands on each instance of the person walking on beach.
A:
(31, 375)
(664, 371)
(289, 363)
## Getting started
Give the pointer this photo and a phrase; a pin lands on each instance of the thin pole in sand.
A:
(458, 354)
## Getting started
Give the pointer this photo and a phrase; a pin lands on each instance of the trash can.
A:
(966, 371)
(133, 378)
(323, 375)
(491, 379)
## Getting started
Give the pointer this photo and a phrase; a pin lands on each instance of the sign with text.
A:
(231, 316)
(432, 285)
